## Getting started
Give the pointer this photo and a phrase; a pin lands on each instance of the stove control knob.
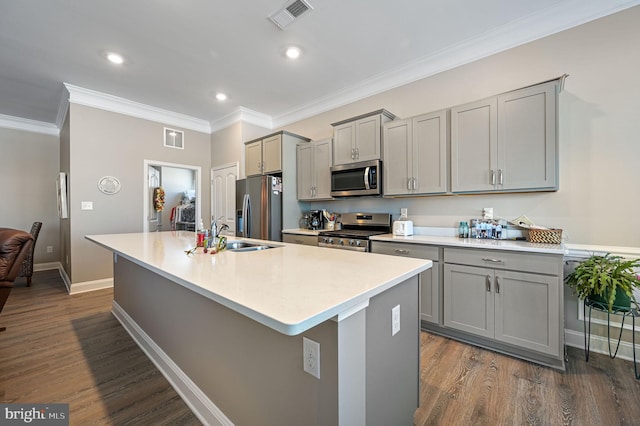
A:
(358, 243)
(330, 240)
(352, 242)
(341, 242)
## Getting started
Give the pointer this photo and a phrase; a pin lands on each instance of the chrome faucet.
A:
(217, 230)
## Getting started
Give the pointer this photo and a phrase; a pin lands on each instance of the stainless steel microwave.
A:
(356, 179)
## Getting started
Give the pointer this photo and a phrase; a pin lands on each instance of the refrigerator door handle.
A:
(246, 216)
(264, 207)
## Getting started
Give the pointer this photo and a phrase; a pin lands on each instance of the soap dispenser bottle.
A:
(200, 234)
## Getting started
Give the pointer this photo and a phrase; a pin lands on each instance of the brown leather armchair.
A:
(27, 265)
(14, 249)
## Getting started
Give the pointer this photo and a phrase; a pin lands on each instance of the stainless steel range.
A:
(356, 230)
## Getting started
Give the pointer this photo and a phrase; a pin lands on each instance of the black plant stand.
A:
(623, 311)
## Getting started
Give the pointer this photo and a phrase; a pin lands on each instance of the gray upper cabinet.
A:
(264, 156)
(253, 158)
(507, 142)
(415, 155)
(313, 165)
(359, 138)
(474, 144)
(527, 150)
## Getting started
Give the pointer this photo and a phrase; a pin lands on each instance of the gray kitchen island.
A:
(227, 330)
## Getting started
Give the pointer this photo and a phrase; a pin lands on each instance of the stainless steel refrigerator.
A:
(259, 207)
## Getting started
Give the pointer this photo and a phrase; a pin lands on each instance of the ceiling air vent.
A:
(289, 13)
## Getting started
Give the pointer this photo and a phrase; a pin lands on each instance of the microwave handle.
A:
(366, 177)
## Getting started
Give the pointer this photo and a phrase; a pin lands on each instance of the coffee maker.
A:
(315, 219)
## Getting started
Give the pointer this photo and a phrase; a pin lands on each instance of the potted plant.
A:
(607, 280)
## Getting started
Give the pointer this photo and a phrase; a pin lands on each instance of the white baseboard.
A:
(85, 286)
(46, 266)
(206, 411)
(599, 344)
(74, 288)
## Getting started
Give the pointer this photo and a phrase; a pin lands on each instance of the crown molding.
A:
(550, 21)
(92, 98)
(63, 108)
(245, 115)
(26, 124)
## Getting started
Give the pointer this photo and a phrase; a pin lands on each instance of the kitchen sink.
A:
(245, 246)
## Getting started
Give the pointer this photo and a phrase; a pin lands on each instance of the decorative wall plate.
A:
(109, 185)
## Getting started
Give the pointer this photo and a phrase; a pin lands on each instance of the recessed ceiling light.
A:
(293, 52)
(221, 96)
(115, 58)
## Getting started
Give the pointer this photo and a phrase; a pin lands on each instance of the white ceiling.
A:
(180, 53)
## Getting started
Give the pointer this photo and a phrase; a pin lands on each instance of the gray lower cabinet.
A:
(430, 280)
(308, 240)
(508, 297)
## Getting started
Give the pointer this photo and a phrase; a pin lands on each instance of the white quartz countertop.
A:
(488, 244)
(290, 288)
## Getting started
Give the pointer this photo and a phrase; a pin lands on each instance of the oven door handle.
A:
(351, 248)
(366, 178)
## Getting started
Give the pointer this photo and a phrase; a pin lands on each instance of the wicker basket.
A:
(546, 236)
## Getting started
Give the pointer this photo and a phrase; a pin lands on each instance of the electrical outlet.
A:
(49, 249)
(487, 213)
(86, 205)
(395, 320)
(403, 212)
(311, 357)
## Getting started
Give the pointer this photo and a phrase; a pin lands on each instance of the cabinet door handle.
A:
(488, 259)
(401, 251)
(488, 283)
(493, 177)
(497, 285)
(415, 183)
(500, 176)
(409, 184)
(357, 153)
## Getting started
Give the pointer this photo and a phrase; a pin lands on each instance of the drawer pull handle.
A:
(488, 259)
(497, 285)
(401, 251)
(488, 284)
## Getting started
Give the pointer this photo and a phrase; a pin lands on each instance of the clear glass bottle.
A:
(463, 230)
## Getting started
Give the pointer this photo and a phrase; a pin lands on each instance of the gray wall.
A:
(245, 365)
(599, 194)
(105, 143)
(29, 165)
(227, 145)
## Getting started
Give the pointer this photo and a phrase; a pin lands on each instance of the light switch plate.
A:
(86, 205)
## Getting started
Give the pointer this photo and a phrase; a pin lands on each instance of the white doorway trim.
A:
(145, 182)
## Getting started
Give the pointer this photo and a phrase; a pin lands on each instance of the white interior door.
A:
(223, 195)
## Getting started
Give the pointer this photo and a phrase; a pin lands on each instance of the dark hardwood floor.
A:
(466, 385)
(70, 349)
